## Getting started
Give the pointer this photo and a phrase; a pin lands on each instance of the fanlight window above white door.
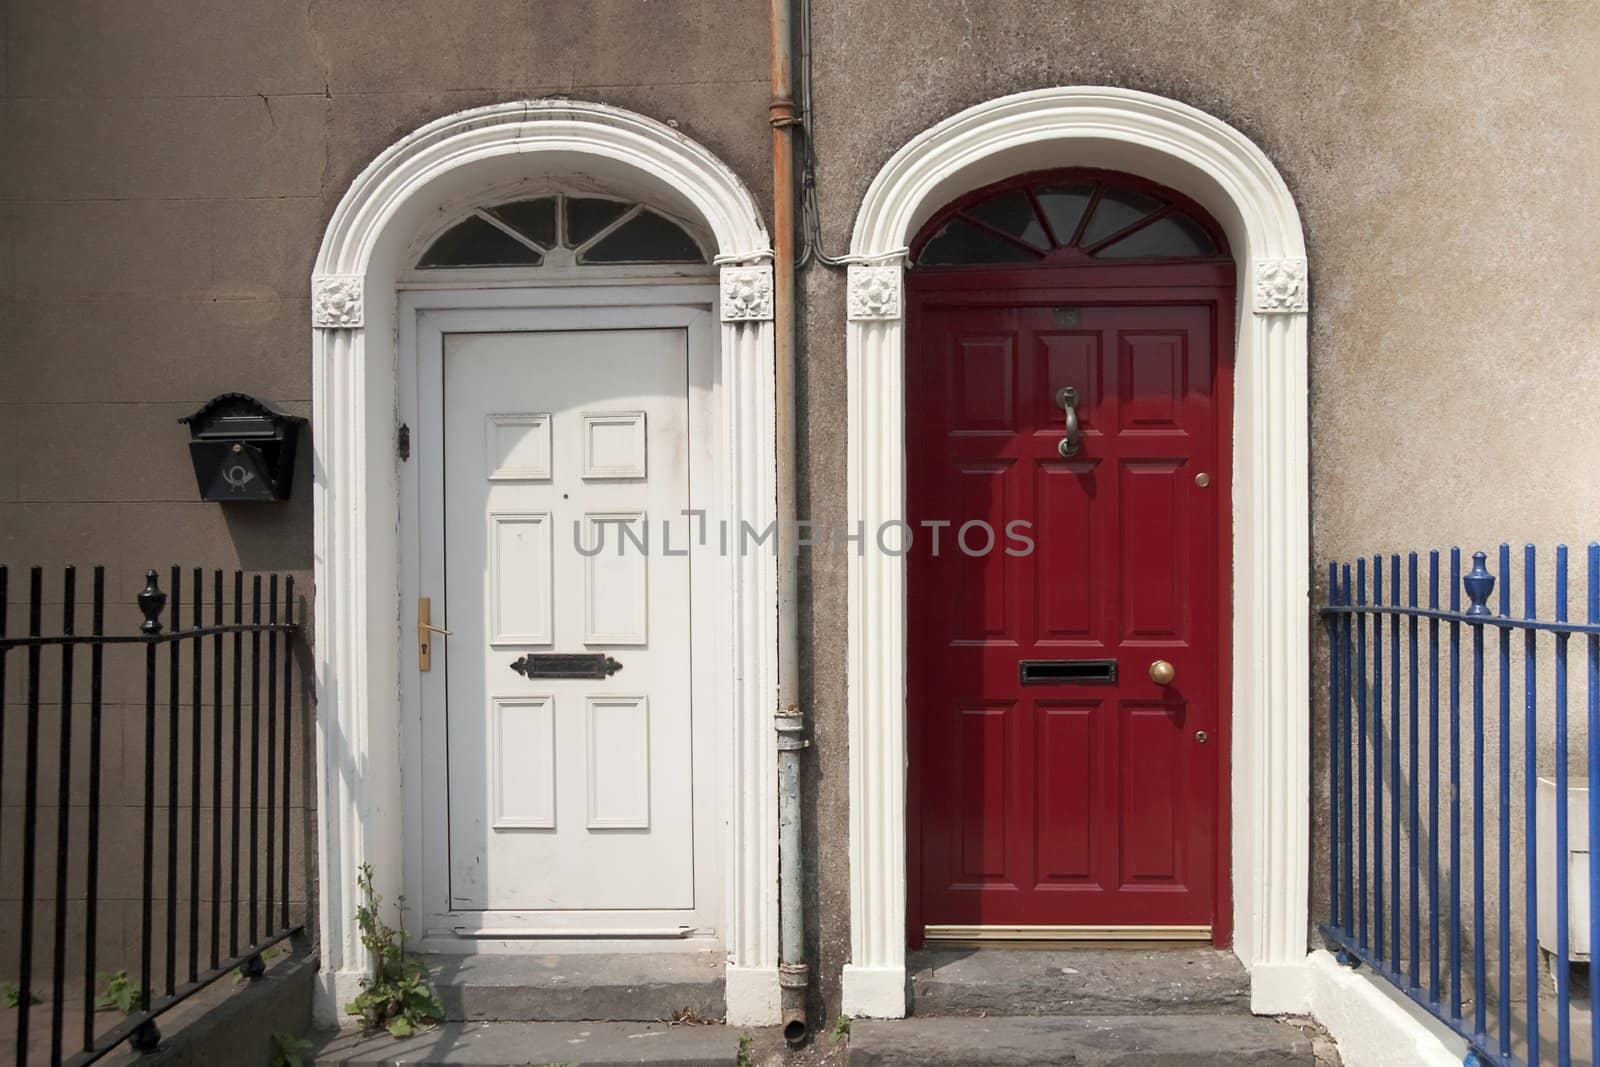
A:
(561, 230)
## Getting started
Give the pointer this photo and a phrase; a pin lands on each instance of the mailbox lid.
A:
(239, 416)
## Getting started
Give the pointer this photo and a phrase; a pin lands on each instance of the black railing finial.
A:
(151, 601)
(1478, 583)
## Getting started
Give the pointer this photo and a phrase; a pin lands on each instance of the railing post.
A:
(1394, 759)
(1594, 793)
(151, 601)
(1563, 964)
(91, 898)
(1531, 797)
(1505, 801)
(1416, 775)
(1478, 583)
(1333, 621)
(29, 813)
(58, 988)
(1435, 994)
(1361, 751)
(1455, 786)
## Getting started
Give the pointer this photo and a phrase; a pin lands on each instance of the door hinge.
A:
(403, 442)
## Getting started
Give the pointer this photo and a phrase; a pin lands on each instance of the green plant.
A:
(841, 1029)
(118, 992)
(745, 1041)
(396, 997)
(289, 1051)
(11, 996)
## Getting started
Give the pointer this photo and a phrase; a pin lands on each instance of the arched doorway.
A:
(1068, 388)
(1219, 168)
(396, 274)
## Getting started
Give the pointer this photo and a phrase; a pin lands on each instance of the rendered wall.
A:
(1439, 160)
(165, 177)
(168, 171)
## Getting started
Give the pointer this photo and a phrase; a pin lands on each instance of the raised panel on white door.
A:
(518, 447)
(616, 578)
(614, 444)
(619, 763)
(521, 604)
(522, 760)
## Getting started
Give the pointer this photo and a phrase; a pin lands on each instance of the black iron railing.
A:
(192, 749)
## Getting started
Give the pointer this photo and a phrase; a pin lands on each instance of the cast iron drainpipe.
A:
(789, 720)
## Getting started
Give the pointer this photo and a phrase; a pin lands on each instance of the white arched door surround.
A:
(1203, 157)
(369, 245)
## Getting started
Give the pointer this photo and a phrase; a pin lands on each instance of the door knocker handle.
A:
(1067, 401)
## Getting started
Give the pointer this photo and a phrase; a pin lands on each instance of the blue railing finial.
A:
(1479, 583)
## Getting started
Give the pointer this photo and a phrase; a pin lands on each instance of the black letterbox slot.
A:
(1067, 671)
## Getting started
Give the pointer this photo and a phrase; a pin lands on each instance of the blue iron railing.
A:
(1387, 784)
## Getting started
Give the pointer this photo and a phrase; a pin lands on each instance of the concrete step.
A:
(524, 1044)
(1088, 1040)
(1078, 981)
(644, 987)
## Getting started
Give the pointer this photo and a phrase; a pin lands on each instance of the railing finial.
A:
(151, 601)
(1478, 583)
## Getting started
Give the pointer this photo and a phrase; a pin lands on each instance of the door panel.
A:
(1064, 803)
(573, 798)
(1069, 803)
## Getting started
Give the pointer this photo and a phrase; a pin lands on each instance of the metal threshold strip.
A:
(953, 932)
(514, 933)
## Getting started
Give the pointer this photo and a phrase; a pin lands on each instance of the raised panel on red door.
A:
(1063, 804)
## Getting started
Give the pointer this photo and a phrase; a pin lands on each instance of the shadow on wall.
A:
(277, 535)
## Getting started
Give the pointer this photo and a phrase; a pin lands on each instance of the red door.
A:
(1056, 781)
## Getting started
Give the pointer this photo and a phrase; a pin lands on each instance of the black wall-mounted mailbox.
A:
(242, 449)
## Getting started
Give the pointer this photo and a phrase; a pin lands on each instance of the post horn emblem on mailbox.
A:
(242, 449)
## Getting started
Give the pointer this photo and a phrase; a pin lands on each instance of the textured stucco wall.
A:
(1442, 157)
(165, 177)
(168, 171)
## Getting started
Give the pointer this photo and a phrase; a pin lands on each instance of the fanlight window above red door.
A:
(1064, 217)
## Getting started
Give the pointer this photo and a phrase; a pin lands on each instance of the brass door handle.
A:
(1162, 672)
(1067, 401)
(425, 630)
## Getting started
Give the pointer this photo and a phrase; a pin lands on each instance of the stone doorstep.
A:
(1093, 1041)
(1086, 980)
(527, 1044)
(642, 987)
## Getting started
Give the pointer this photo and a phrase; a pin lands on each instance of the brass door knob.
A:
(1162, 672)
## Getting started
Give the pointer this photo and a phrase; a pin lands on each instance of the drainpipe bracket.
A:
(790, 725)
(793, 975)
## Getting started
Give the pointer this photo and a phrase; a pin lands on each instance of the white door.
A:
(563, 479)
